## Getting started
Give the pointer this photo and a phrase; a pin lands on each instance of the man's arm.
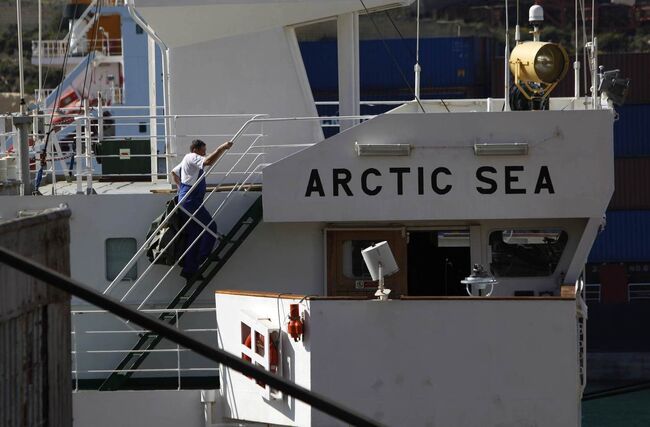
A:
(211, 158)
(176, 178)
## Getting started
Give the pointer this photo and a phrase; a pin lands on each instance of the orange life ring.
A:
(273, 351)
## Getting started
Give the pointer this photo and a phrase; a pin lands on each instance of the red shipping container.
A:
(613, 284)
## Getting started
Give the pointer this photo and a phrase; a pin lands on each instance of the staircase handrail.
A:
(191, 218)
(144, 246)
(198, 238)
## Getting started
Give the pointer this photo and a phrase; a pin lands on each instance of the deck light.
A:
(501, 149)
(382, 149)
(479, 281)
(380, 262)
(538, 67)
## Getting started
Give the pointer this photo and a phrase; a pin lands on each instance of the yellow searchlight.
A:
(538, 67)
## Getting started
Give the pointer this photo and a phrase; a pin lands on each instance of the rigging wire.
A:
(584, 45)
(98, 10)
(57, 95)
(58, 34)
(390, 53)
(408, 48)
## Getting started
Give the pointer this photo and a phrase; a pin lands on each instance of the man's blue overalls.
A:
(202, 249)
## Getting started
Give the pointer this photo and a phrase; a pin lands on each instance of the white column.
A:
(153, 125)
(348, 57)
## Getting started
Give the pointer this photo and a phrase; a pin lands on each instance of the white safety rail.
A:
(59, 48)
(638, 291)
(335, 123)
(98, 336)
(581, 319)
(592, 292)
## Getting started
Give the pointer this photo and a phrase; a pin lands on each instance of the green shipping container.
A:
(127, 164)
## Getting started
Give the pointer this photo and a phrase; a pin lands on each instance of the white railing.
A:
(581, 330)
(93, 346)
(49, 48)
(59, 48)
(638, 291)
(592, 292)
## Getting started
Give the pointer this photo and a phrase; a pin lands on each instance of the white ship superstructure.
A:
(448, 184)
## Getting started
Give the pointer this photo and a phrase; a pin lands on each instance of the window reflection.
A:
(526, 253)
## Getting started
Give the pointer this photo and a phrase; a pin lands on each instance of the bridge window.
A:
(526, 253)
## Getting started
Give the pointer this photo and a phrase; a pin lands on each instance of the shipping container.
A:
(632, 179)
(632, 131)
(386, 66)
(634, 66)
(626, 238)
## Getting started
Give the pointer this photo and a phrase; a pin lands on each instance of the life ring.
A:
(273, 351)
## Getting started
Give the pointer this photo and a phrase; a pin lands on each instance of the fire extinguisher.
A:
(295, 326)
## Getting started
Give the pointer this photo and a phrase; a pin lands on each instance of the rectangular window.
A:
(119, 252)
(526, 253)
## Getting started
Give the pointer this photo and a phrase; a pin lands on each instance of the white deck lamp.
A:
(381, 263)
(382, 149)
(479, 280)
(501, 149)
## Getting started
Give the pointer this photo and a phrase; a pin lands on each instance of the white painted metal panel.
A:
(271, 80)
(241, 397)
(471, 362)
(181, 23)
(571, 150)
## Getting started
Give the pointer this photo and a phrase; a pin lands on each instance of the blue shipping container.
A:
(445, 62)
(632, 131)
(626, 238)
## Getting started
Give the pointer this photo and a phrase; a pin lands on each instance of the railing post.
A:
(88, 157)
(22, 123)
(178, 351)
(78, 156)
(76, 353)
(100, 118)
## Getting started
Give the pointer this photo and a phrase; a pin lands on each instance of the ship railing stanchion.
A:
(78, 156)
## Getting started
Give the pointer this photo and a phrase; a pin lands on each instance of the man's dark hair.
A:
(196, 144)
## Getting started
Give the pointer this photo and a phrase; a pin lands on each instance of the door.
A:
(347, 274)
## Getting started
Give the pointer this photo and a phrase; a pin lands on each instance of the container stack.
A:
(618, 269)
(386, 70)
(620, 258)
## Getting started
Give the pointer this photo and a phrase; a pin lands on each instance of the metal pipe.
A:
(21, 76)
(88, 158)
(40, 65)
(78, 158)
(164, 51)
(79, 290)
(417, 67)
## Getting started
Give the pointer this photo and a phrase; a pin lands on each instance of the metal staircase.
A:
(148, 341)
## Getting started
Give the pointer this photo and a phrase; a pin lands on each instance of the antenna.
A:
(417, 67)
(506, 67)
(576, 63)
(517, 31)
